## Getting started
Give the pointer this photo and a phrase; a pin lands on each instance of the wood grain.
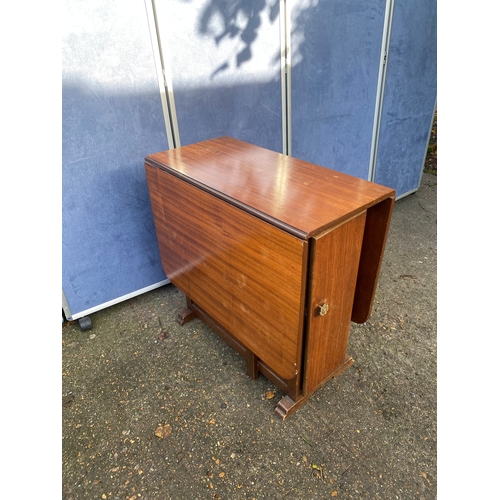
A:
(249, 275)
(300, 197)
(258, 241)
(333, 269)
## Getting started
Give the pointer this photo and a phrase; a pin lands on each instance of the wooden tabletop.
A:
(302, 198)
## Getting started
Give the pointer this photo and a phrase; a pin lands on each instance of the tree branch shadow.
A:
(240, 19)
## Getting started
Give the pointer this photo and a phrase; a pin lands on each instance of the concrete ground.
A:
(152, 410)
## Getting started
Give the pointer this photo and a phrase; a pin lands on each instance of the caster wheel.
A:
(85, 324)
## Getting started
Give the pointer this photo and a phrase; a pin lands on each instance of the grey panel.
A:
(410, 95)
(224, 61)
(111, 118)
(335, 62)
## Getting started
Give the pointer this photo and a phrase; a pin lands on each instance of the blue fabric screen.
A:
(224, 61)
(112, 118)
(410, 95)
(335, 50)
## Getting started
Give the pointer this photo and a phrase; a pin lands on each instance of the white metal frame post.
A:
(286, 77)
(164, 74)
(382, 73)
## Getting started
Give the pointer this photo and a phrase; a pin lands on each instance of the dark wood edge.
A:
(302, 334)
(378, 219)
(252, 365)
(307, 321)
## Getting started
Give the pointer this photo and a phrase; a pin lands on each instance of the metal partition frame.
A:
(286, 77)
(164, 76)
(384, 54)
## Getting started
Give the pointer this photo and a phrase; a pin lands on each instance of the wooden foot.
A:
(252, 365)
(287, 406)
(185, 316)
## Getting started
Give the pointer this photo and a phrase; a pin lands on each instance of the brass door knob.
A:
(323, 309)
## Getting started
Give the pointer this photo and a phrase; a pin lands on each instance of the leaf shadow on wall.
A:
(241, 19)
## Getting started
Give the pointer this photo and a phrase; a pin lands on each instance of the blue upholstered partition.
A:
(223, 57)
(410, 95)
(335, 49)
(224, 61)
(112, 117)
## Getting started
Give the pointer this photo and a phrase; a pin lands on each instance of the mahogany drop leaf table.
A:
(275, 254)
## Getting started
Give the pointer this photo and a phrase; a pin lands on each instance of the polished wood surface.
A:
(275, 254)
(332, 273)
(302, 198)
(248, 275)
